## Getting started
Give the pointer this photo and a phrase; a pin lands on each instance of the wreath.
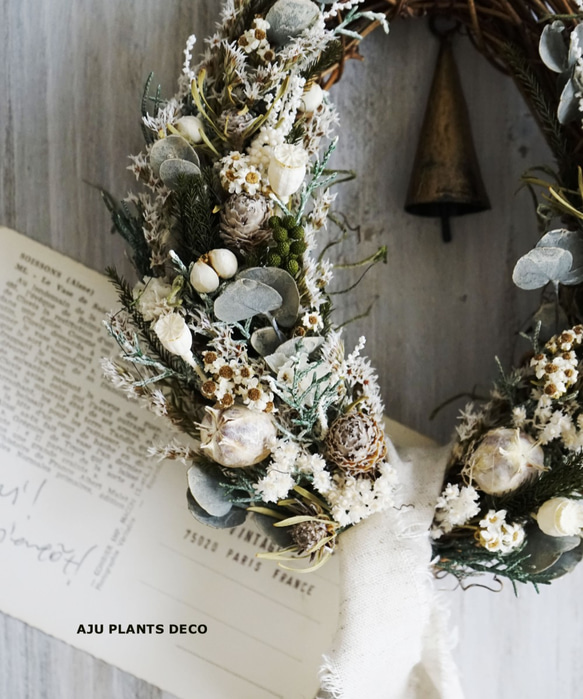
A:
(229, 332)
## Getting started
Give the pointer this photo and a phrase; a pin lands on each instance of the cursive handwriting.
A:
(66, 559)
(11, 494)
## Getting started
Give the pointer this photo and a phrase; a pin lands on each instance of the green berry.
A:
(280, 235)
(274, 260)
(288, 222)
(283, 248)
(293, 267)
(297, 233)
(274, 222)
(298, 247)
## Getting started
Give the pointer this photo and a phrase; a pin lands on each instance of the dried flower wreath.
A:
(229, 331)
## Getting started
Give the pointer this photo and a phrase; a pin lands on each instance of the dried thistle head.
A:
(355, 443)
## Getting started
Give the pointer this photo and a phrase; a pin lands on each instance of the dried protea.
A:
(233, 125)
(355, 443)
(307, 535)
(244, 221)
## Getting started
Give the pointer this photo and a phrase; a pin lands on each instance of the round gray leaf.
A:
(289, 18)
(571, 241)
(284, 284)
(233, 518)
(244, 299)
(174, 170)
(206, 490)
(169, 148)
(552, 47)
(540, 266)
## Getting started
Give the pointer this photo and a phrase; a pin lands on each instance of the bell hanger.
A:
(446, 179)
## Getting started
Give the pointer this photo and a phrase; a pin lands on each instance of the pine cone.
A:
(244, 222)
(355, 443)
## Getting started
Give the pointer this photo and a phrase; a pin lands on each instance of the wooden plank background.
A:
(71, 77)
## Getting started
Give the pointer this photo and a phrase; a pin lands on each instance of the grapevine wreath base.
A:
(230, 331)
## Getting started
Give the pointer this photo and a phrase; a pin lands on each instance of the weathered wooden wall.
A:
(71, 74)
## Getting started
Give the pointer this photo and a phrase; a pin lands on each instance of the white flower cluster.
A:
(236, 377)
(353, 498)
(362, 379)
(557, 366)
(496, 535)
(255, 40)
(287, 462)
(455, 506)
(238, 174)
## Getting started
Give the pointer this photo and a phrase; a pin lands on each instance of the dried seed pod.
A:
(223, 262)
(190, 127)
(203, 277)
(237, 437)
(504, 460)
(287, 169)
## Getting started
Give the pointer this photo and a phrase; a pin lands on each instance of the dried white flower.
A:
(561, 517)
(175, 336)
(287, 169)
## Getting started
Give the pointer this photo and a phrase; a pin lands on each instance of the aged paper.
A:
(96, 544)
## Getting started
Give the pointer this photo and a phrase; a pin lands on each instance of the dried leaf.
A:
(289, 18)
(553, 48)
(245, 298)
(572, 241)
(169, 148)
(290, 349)
(265, 341)
(285, 285)
(174, 170)
(568, 109)
(540, 266)
(544, 551)
(233, 518)
(206, 490)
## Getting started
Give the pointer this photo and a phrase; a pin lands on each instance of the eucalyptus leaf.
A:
(169, 148)
(289, 18)
(233, 518)
(278, 535)
(540, 266)
(205, 488)
(568, 109)
(291, 348)
(566, 563)
(285, 285)
(265, 341)
(174, 170)
(571, 241)
(544, 551)
(245, 298)
(553, 48)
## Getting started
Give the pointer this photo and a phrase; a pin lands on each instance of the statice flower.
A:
(455, 506)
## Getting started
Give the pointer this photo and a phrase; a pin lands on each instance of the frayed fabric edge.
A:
(330, 682)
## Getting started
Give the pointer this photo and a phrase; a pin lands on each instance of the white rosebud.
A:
(203, 277)
(175, 335)
(237, 436)
(224, 262)
(287, 169)
(190, 127)
(504, 460)
(312, 98)
(561, 517)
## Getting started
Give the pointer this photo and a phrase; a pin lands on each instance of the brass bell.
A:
(446, 179)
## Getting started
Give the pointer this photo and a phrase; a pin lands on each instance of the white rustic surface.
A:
(70, 79)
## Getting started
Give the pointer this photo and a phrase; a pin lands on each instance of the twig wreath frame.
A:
(229, 331)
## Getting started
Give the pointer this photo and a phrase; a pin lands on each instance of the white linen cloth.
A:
(393, 640)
